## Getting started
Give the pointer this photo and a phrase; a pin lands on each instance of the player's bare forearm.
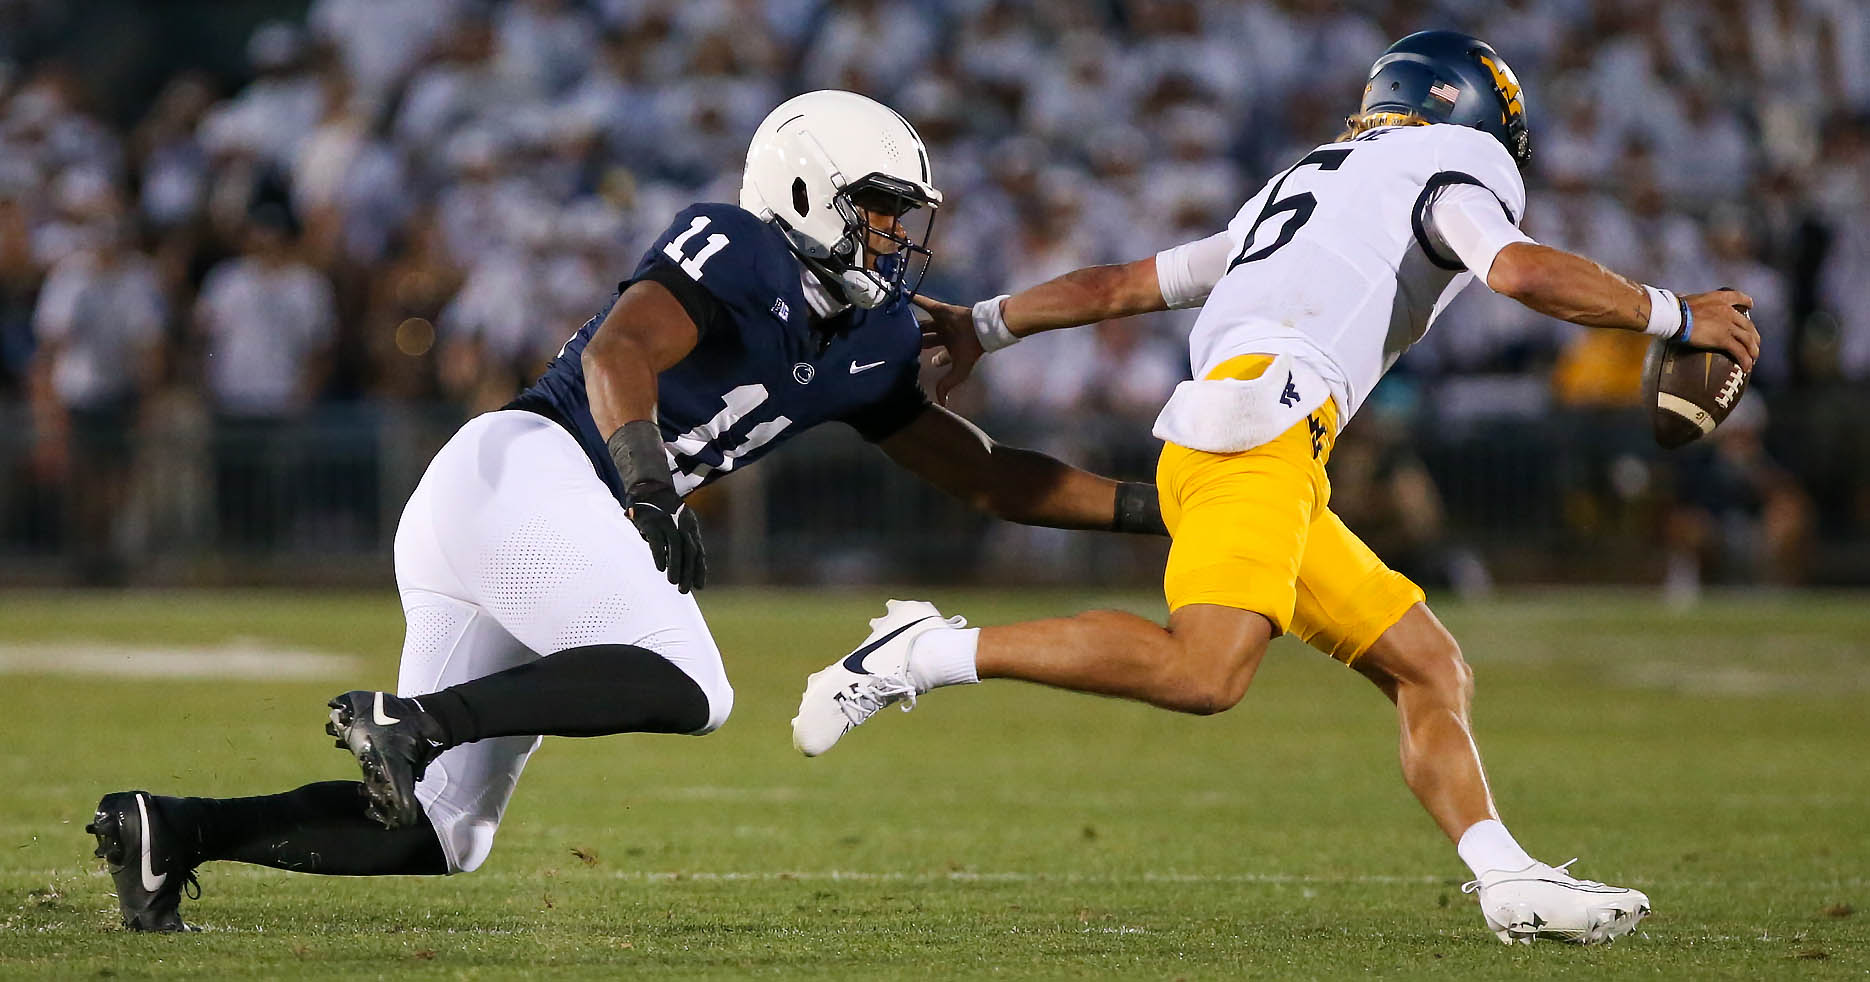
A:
(1086, 296)
(620, 384)
(1017, 485)
(645, 332)
(1031, 488)
(1568, 286)
(1082, 296)
(1572, 288)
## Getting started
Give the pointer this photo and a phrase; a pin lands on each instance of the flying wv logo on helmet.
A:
(1449, 77)
(842, 176)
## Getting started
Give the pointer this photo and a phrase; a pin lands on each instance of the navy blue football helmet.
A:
(1449, 77)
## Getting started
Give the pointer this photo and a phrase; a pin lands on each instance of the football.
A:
(1689, 391)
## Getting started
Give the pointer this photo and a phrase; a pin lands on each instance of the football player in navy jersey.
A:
(546, 559)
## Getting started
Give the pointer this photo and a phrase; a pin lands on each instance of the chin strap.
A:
(853, 285)
(861, 290)
(855, 282)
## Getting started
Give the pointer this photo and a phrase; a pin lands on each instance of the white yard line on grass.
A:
(91, 871)
(965, 876)
(1079, 799)
(237, 659)
(1146, 877)
(1812, 677)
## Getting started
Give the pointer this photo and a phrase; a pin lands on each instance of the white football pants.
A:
(511, 549)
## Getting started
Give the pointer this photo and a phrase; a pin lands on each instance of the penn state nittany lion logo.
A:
(802, 373)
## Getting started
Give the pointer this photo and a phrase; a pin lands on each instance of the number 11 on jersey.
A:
(692, 264)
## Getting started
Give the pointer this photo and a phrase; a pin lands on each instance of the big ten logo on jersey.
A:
(691, 452)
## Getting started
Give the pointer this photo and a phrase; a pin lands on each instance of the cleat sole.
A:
(388, 805)
(109, 839)
(1522, 924)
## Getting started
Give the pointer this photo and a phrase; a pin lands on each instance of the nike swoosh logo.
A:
(855, 368)
(379, 717)
(151, 881)
(855, 660)
(1586, 887)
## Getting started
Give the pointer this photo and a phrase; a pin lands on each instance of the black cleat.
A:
(388, 737)
(139, 848)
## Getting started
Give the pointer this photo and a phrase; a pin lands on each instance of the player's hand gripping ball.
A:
(1690, 389)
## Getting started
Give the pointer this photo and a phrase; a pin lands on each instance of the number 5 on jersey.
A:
(692, 264)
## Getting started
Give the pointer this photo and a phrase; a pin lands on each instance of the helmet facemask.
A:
(875, 264)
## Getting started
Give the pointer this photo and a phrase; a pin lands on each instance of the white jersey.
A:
(1332, 263)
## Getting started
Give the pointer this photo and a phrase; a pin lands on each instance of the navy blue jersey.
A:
(764, 368)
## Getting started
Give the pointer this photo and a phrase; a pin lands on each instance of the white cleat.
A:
(855, 687)
(1543, 901)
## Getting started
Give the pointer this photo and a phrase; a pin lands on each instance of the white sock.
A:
(1488, 846)
(944, 656)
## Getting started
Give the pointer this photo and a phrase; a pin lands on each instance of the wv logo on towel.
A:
(1290, 397)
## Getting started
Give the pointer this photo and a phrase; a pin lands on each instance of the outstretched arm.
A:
(1084, 296)
(1178, 277)
(1019, 485)
(1471, 224)
(1572, 288)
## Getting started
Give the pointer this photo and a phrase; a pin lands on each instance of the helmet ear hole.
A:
(799, 202)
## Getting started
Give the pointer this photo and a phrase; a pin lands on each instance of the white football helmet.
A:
(816, 160)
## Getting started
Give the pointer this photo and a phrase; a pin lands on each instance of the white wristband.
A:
(1665, 313)
(990, 324)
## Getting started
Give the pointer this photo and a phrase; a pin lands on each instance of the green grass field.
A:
(1717, 760)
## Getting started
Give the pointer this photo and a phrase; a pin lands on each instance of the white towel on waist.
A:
(1231, 415)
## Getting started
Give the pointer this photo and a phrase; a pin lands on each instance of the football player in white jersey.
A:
(1322, 280)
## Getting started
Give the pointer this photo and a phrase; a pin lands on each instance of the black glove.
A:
(666, 524)
(674, 536)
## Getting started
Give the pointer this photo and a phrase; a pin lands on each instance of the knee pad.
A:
(720, 697)
(465, 792)
(466, 842)
(466, 838)
(693, 653)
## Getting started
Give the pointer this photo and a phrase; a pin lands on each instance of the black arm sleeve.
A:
(898, 408)
(704, 308)
(1138, 510)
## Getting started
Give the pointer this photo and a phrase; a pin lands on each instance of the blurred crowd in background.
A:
(340, 206)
